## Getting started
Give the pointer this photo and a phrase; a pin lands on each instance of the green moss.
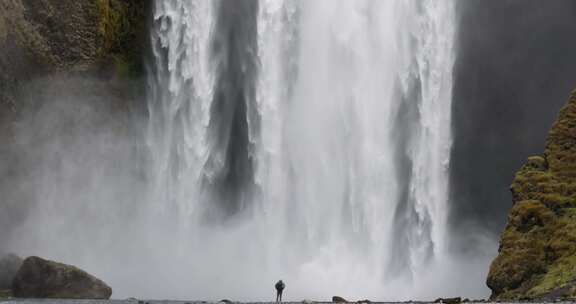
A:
(561, 273)
(122, 25)
(537, 253)
(527, 214)
(125, 68)
(537, 163)
(522, 253)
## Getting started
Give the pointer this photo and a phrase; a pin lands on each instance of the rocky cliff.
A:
(40, 37)
(81, 53)
(537, 254)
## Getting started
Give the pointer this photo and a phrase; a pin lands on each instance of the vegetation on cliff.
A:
(537, 255)
(122, 25)
(42, 37)
(53, 52)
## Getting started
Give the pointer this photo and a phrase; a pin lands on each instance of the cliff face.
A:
(537, 255)
(63, 58)
(39, 37)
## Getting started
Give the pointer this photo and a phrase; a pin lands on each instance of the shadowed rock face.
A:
(537, 256)
(39, 37)
(39, 278)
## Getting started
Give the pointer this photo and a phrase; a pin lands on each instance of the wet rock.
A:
(337, 299)
(9, 265)
(364, 301)
(456, 300)
(39, 278)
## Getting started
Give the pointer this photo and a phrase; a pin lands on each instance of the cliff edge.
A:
(537, 254)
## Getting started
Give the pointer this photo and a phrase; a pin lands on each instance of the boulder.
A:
(9, 265)
(337, 299)
(40, 278)
(456, 300)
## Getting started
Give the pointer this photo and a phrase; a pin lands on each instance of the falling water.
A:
(307, 140)
(299, 140)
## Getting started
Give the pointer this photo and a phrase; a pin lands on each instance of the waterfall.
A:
(300, 140)
(304, 140)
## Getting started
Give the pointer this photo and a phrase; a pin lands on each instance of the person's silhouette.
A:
(279, 288)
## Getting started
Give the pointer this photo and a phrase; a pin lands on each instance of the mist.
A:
(361, 149)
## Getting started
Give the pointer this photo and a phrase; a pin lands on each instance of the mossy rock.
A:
(537, 163)
(522, 251)
(42, 37)
(537, 255)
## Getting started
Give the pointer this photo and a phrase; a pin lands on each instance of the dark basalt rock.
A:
(39, 278)
(337, 299)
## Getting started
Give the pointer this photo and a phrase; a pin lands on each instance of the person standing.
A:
(279, 289)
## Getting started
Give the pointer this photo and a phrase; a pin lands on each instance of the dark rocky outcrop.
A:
(39, 278)
(9, 265)
(337, 299)
(537, 254)
(39, 37)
